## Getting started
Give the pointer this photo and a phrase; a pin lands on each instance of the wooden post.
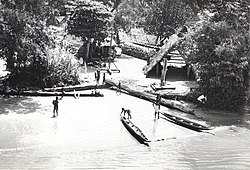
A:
(157, 69)
(188, 71)
(87, 48)
(110, 55)
(85, 66)
(164, 71)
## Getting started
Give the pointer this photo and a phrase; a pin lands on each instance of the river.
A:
(89, 135)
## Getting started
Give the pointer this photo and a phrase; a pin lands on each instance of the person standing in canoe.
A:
(129, 115)
(55, 104)
(124, 111)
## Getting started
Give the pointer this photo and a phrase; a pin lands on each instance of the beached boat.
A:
(42, 93)
(185, 122)
(134, 131)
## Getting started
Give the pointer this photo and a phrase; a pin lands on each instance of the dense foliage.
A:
(66, 68)
(164, 17)
(157, 17)
(24, 41)
(219, 50)
(130, 14)
(218, 47)
(63, 67)
(218, 44)
(90, 19)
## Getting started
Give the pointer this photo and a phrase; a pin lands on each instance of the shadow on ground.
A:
(18, 105)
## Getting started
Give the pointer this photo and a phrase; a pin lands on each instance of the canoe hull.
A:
(140, 137)
(185, 123)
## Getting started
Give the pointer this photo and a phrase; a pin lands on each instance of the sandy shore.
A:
(131, 68)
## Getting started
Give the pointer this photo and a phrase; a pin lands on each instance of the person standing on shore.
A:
(119, 88)
(157, 112)
(98, 76)
(103, 78)
(55, 104)
(157, 106)
(158, 100)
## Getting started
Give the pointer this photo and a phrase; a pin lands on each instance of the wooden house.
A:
(168, 63)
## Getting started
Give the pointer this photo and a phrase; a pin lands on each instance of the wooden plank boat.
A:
(185, 122)
(134, 90)
(134, 131)
(86, 86)
(157, 87)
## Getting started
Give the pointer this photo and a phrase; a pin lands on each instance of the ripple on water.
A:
(92, 136)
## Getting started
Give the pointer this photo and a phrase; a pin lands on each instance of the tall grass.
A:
(62, 71)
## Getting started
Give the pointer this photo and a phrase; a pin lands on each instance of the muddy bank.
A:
(133, 89)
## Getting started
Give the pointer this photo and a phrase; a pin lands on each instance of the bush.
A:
(30, 74)
(43, 73)
(221, 63)
(62, 71)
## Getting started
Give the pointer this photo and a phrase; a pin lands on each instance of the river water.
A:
(89, 135)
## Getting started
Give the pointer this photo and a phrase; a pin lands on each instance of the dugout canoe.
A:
(42, 93)
(134, 131)
(184, 122)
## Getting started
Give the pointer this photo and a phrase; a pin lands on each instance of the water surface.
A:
(89, 135)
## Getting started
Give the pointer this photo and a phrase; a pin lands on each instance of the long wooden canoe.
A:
(185, 122)
(42, 93)
(136, 91)
(134, 131)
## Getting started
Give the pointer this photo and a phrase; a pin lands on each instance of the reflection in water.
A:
(154, 128)
(18, 105)
(89, 134)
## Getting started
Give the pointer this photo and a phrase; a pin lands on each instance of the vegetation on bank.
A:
(91, 21)
(219, 50)
(217, 44)
(26, 43)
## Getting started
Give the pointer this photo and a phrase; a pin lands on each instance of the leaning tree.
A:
(89, 20)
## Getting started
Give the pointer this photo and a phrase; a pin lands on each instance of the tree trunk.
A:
(150, 97)
(166, 48)
(118, 41)
(76, 88)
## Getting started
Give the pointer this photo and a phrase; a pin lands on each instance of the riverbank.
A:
(131, 71)
(88, 134)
